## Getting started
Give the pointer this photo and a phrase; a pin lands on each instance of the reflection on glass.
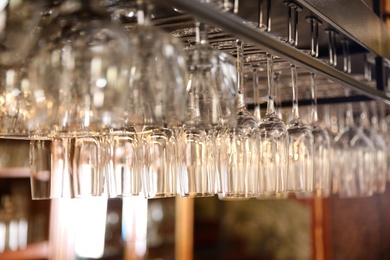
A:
(322, 149)
(355, 178)
(273, 146)
(300, 168)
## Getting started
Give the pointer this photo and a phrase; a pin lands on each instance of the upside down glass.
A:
(156, 106)
(210, 105)
(273, 147)
(239, 149)
(353, 155)
(380, 159)
(322, 149)
(79, 79)
(300, 171)
(20, 23)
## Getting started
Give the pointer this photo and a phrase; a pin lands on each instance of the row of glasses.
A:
(155, 108)
(239, 145)
(79, 83)
(102, 118)
(139, 144)
(98, 108)
(353, 157)
(210, 109)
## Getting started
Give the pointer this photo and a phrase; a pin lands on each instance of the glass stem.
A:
(236, 6)
(201, 34)
(240, 76)
(255, 76)
(349, 121)
(346, 57)
(374, 118)
(278, 101)
(364, 121)
(271, 87)
(268, 17)
(261, 15)
(314, 110)
(143, 12)
(295, 110)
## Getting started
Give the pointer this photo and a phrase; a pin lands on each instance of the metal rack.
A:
(360, 26)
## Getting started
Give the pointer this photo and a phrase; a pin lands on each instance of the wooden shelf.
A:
(33, 251)
(15, 172)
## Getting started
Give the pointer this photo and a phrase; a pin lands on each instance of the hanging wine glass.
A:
(355, 178)
(322, 148)
(210, 105)
(300, 175)
(239, 170)
(20, 25)
(380, 158)
(383, 129)
(79, 81)
(156, 105)
(273, 150)
(331, 126)
(256, 61)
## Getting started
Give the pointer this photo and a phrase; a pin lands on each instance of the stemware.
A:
(40, 169)
(210, 106)
(383, 129)
(21, 21)
(380, 158)
(239, 170)
(273, 149)
(355, 178)
(322, 148)
(300, 175)
(156, 106)
(79, 81)
(256, 89)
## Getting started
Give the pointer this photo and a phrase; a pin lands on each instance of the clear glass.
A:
(197, 177)
(159, 75)
(210, 108)
(383, 129)
(50, 167)
(40, 169)
(273, 147)
(355, 178)
(15, 103)
(300, 167)
(380, 156)
(79, 73)
(20, 23)
(87, 176)
(322, 149)
(123, 169)
(158, 158)
(239, 152)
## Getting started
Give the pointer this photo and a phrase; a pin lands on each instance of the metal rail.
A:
(236, 26)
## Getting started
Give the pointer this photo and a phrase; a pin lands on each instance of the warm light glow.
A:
(90, 227)
(135, 225)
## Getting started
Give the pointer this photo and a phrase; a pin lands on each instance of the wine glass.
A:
(322, 148)
(79, 80)
(210, 106)
(355, 178)
(273, 149)
(256, 61)
(20, 25)
(380, 158)
(156, 106)
(239, 170)
(383, 129)
(301, 148)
